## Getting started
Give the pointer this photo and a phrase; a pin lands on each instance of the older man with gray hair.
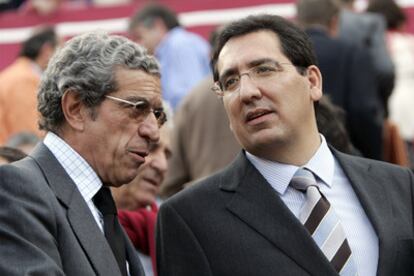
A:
(100, 102)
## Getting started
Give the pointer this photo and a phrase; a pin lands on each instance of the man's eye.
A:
(139, 109)
(142, 106)
(230, 83)
(159, 112)
(264, 69)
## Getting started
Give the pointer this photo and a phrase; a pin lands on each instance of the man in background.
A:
(9, 154)
(349, 76)
(368, 30)
(19, 84)
(24, 141)
(183, 56)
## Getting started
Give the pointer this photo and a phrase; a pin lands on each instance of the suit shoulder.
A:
(24, 178)
(201, 187)
(21, 169)
(379, 167)
(207, 189)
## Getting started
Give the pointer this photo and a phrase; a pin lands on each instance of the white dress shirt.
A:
(336, 187)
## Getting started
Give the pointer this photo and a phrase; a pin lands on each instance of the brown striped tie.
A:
(319, 218)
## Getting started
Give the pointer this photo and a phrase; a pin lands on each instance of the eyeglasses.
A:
(230, 82)
(142, 108)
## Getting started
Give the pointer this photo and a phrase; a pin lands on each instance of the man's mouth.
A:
(138, 154)
(257, 113)
(151, 181)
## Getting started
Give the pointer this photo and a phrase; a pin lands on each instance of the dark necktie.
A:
(104, 202)
(319, 218)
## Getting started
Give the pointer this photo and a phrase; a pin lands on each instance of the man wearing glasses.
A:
(100, 103)
(289, 204)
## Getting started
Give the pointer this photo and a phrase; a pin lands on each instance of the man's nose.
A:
(248, 89)
(160, 162)
(149, 129)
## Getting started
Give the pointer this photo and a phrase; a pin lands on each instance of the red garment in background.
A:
(140, 227)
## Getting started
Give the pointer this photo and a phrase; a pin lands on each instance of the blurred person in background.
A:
(45, 8)
(183, 56)
(6, 5)
(137, 201)
(349, 76)
(24, 141)
(41, 7)
(367, 30)
(401, 46)
(19, 84)
(9, 155)
(201, 133)
(330, 119)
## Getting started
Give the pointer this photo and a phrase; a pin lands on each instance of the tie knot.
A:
(302, 179)
(104, 202)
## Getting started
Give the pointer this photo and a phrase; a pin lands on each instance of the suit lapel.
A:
(135, 267)
(369, 188)
(260, 207)
(79, 216)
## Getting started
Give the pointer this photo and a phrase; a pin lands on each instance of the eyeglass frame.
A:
(217, 86)
(161, 119)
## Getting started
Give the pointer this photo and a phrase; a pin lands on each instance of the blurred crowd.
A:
(46, 7)
(367, 63)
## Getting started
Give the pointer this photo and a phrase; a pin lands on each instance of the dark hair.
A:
(11, 154)
(149, 13)
(393, 14)
(294, 42)
(213, 37)
(32, 46)
(330, 119)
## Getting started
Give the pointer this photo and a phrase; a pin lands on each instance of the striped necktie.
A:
(319, 218)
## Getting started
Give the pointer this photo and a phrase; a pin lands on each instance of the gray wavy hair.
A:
(86, 64)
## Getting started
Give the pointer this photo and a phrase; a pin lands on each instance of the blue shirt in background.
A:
(185, 60)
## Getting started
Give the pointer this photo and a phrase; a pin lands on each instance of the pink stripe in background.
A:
(198, 16)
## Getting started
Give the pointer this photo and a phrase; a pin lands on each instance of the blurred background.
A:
(71, 17)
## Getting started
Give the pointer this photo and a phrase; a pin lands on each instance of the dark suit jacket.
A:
(234, 223)
(368, 30)
(46, 227)
(349, 80)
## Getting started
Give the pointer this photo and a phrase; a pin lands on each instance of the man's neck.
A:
(298, 153)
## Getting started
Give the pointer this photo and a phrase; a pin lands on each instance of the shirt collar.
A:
(322, 163)
(279, 174)
(85, 178)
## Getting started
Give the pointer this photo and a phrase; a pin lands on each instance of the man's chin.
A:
(126, 178)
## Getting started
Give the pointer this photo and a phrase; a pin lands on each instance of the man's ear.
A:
(315, 81)
(74, 110)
